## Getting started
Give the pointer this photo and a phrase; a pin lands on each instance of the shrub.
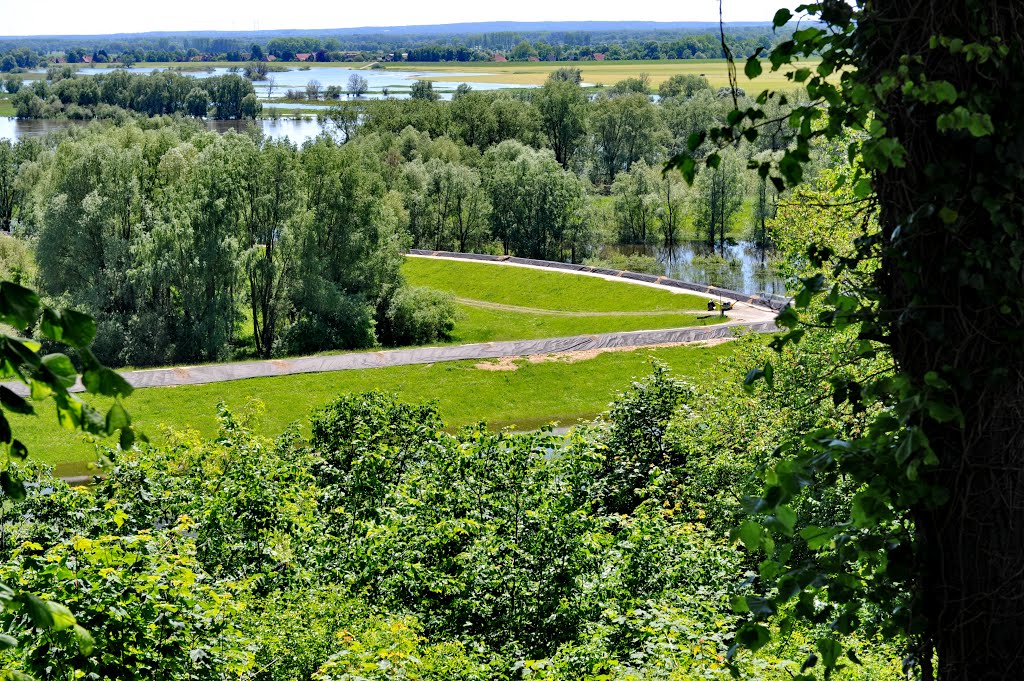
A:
(417, 315)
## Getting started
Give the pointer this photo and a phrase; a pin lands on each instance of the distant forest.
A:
(512, 42)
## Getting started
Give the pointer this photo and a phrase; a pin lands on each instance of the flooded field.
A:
(381, 82)
(744, 267)
(296, 130)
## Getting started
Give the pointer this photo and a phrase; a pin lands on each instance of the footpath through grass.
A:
(551, 290)
(534, 394)
(561, 294)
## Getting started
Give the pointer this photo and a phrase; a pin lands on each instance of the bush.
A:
(349, 326)
(417, 315)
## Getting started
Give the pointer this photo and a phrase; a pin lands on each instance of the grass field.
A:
(6, 107)
(534, 394)
(600, 73)
(535, 73)
(498, 303)
(513, 303)
(552, 290)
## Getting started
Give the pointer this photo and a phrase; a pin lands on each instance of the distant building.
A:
(598, 56)
(303, 56)
(86, 58)
(532, 58)
(499, 58)
(550, 57)
(271, 57)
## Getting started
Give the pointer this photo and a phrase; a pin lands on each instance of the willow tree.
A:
(933, 547)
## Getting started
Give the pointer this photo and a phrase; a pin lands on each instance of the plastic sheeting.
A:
(214, 373)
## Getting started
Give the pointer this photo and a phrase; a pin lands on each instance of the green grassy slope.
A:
(542, 289)
(534, 394)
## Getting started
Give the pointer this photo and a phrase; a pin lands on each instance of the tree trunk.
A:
(955, 287)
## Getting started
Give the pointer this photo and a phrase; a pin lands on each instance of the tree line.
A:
(69, 95)
(179, 241)
(637, 44)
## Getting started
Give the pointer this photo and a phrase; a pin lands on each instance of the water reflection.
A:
(298, 130)
(744, 267)
(397, 82)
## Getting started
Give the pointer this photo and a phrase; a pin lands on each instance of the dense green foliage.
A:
(171, 236)
(925, 281)
(34, 617)
(467, 44)
(105, 95)
(384, 545)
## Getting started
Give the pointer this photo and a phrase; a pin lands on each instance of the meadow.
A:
(565, 391)
(599, 72)
(536, 73)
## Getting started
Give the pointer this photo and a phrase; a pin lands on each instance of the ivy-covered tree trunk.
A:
(951, 276)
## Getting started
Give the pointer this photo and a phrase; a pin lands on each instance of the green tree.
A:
(626, 129)
(197, 104)
(563, 118)
(683, 85)
(636, 204)
(423, 90)
(923, 550)
(717, 200)
(537, 207)
(272, 208)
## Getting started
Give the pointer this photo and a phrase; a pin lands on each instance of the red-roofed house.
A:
(598, 56)
(499, 58)
(86, 58)
(533, 58)
(303, 56)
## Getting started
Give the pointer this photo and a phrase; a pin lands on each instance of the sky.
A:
(64, 17)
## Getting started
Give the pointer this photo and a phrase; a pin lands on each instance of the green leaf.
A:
(753, 636)
(104, 381)
(19, 306)
(760, 607)
(750, 534)
(62, 369)
(117, 418)
(7, 642)
(38, 610)
(68, 326)
(786, 517)
(86, 644)
(14, 403)
(830, 650)
(127, 438)
(781, 18)
(753, 68)
(62, 617)
(817, 537)
(11, 486)
(19, 450)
